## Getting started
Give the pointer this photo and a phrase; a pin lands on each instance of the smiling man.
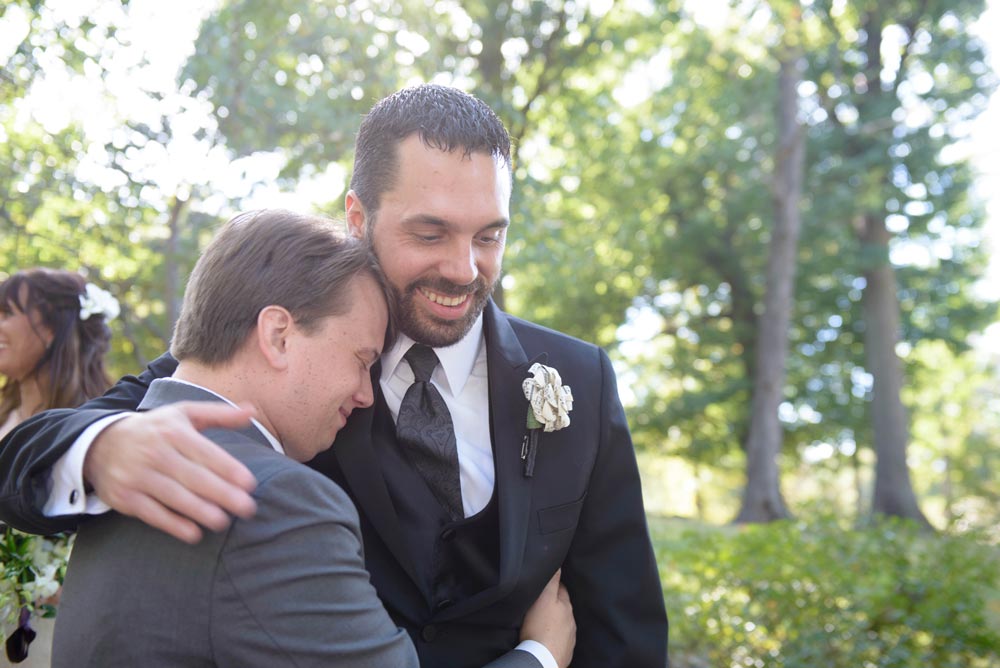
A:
(440, 236)
(462, 529)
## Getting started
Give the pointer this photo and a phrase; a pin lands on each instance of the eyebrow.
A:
(427, 219)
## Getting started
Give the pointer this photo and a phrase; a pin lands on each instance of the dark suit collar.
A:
(163, 391)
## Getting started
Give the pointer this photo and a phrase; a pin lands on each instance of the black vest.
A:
(453, 559)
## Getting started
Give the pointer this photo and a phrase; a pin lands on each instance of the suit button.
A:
(429, 633)
(442, 604)
(448, 534)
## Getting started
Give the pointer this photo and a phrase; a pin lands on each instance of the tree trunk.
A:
(893, 490)
(699, 499)
(859, 487)
(171, 287)
(948, 490)
(762, 499)
(893, 493)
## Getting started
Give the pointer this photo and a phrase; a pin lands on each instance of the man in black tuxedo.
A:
(430, 192)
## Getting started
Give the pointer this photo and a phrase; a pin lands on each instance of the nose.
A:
(459, 266)
(365, 396)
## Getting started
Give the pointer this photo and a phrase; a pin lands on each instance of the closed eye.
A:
(367, 358)
(491, 239)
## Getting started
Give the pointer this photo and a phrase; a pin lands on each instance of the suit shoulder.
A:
(276, 472)
(532, 332)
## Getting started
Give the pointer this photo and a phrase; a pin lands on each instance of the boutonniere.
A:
(549, 405)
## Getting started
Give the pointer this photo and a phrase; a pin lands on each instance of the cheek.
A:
(403, 262)
(490, 261)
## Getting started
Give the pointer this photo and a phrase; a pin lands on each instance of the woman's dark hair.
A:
(73, 363)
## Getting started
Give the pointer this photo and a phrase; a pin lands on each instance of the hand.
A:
(550, 621)
(156, 466)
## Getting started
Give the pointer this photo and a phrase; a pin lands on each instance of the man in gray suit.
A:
(284, 315)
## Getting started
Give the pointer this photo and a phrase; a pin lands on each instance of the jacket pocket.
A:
(561, 517)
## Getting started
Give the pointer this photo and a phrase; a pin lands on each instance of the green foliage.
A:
(644, 143)
(819, 594)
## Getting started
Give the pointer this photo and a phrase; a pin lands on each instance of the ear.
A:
(275, 326)
(355, 211)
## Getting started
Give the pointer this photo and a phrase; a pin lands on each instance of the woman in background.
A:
(53, 340)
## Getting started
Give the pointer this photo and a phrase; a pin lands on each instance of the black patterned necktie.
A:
(426, 433)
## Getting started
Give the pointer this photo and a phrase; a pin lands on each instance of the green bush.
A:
(803, 595)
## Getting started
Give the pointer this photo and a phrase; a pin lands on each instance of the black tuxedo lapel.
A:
(355, 453)
(507, 366)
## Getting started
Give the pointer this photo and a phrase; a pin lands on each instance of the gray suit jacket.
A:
(285, 588)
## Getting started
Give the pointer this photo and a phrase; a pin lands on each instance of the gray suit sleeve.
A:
(291, 587)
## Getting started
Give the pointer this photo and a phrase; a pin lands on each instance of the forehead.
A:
(14, 296)
(367, 312)
(428, 172)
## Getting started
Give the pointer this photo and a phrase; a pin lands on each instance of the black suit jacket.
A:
(582, 510)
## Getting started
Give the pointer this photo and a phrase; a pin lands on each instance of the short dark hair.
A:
(75, 358)
(444, 118)
(262, 258)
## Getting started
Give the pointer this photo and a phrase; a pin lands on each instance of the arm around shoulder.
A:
(29, 451)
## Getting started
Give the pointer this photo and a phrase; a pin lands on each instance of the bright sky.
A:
(163, 34)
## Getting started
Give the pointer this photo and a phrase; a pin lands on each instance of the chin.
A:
(431, 330)
(437, 336)
(436, 332)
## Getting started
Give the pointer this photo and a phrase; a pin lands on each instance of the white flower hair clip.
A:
(97, 301)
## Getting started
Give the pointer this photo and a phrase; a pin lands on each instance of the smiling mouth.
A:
(443, 300)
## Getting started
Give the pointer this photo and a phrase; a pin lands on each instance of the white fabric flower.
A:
(96, 301)
(550, 400)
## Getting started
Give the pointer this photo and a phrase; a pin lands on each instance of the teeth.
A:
(443, 300)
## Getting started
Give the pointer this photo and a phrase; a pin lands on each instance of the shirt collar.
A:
(275, 443)
(457, 360)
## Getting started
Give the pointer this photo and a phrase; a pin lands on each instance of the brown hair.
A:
(261, 258)
(74, 361)
(444, 118)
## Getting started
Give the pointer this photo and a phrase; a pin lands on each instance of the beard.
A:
(430, 330)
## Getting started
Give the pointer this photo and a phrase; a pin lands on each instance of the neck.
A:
(236, 382)
(31, 396)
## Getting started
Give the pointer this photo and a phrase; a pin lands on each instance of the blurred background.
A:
(777, 217)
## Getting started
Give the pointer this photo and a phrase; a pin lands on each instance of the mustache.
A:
(446, 287)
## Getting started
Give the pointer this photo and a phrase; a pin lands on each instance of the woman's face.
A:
(21, 344)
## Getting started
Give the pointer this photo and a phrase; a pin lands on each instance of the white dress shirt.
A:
(462, 381)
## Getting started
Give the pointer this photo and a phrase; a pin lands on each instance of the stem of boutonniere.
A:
(529, 448)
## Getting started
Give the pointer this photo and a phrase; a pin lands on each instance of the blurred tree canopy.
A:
(645, 147)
